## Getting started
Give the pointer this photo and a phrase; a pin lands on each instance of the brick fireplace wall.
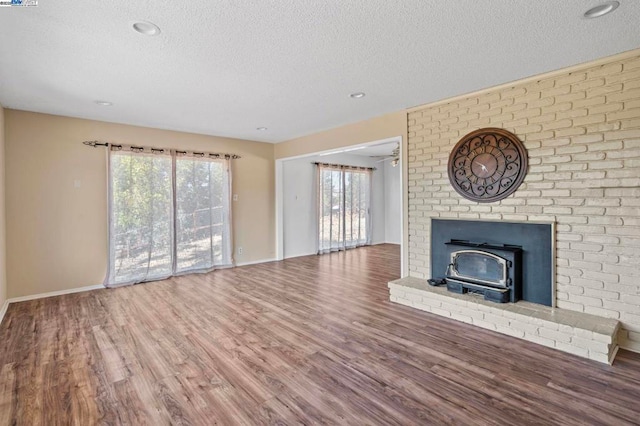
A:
(582, 131)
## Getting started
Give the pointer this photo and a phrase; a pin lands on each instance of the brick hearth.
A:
(578, 333)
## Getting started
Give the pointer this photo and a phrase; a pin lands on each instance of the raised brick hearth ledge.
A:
(585, 335)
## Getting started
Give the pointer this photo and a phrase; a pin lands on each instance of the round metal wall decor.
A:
(487, 165)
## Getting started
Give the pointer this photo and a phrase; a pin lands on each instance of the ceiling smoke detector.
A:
(261, 129)
(601, 10)
(357, 95)
(104, 103)
(146, 28)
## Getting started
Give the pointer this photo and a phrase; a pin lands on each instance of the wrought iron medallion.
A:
(487, 165)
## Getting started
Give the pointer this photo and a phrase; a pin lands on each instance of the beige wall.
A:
(383, 127)
(582, 132)
(57, 233)
(3, 251)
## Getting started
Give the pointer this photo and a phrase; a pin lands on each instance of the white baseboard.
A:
(3, 310)
(301, 255)
(255, 262)
(54, 293)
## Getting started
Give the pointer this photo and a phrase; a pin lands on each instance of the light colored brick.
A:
(540, 340)
(484, 324)
(600, 357)
(509, 331)
(557, 336)
(601, 312)
(496, 319)
(584, 174)
(566, 347)
(524, 326)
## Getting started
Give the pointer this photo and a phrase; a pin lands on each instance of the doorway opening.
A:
(298, 190)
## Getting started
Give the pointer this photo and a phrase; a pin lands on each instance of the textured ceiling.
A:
(227, 67)
(385, 149)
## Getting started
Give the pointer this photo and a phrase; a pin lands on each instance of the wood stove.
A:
(492, 270)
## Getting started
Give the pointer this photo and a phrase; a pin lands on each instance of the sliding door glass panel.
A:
(343, 214)
(202, 206)
(141, 218)
(361, 208)
(331, 223)
(356, 208)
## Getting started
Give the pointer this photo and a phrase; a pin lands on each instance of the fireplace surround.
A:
(528, 246)
(581, 130)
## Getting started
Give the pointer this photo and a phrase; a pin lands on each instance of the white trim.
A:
(404, 206)
(3, 311)
(255, 262)
(341, 148)
(303, 255)
(279, 209)
(55, 293)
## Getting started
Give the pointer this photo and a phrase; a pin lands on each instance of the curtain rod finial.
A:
(95, 143)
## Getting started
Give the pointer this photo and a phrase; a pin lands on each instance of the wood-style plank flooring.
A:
(310, 340)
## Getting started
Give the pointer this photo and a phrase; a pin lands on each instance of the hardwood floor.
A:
(308, 340)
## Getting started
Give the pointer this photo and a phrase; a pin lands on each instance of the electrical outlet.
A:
(239, 250)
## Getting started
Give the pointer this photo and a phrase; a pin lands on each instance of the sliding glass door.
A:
(141, 219)
(202, 208)
(169, 214)
(343, 207)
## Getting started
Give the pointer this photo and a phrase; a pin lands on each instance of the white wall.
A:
(299, 204)
(392, 203)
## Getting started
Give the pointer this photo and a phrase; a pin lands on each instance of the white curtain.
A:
(169, 213)
(344, 219)
(203, 234)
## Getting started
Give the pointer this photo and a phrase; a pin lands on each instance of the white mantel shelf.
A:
(581, 334)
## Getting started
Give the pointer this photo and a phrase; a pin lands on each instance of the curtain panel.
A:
(169, 214)
(344, 218)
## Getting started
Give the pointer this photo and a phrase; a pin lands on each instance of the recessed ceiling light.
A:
(146, 28)
(104, 103)
(357, 95)
(601, 10)
(262, 129)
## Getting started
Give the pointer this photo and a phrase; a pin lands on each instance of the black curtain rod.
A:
(159, 150)
(95, 143)
(344, 166)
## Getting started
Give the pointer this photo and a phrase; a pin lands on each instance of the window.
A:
(169, 214)
(343, 214)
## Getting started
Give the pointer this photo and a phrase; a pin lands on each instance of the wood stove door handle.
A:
(449, 269)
